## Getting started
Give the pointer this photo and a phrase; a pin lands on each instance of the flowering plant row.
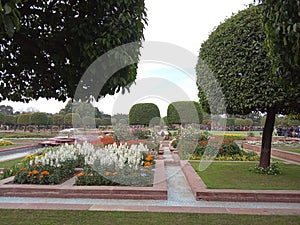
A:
(56, 164)
(196, 145)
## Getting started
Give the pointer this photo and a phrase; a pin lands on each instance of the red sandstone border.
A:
(67, 190)
(200, 191)
(18, 148)
(291, 156)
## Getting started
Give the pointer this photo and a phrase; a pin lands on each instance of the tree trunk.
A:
(265, 154)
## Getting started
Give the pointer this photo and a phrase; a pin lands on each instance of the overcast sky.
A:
(185, 24)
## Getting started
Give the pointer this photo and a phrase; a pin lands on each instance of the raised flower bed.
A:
(127, 165)
(112, 172)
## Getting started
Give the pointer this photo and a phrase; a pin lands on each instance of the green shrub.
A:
(273, 169)
(184, 112)
(143, 113)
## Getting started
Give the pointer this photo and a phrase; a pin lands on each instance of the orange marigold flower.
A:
(34, 177)
(29, 174)
(147, 164)
(41, 176)
(24, 169)
(115, 173)
(45, 173)
(107, 173)
(35, 172)
(149, 157)
(80, 175)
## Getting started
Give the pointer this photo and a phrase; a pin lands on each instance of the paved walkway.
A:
(180, 199)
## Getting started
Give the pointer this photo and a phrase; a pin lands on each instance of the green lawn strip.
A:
(53, 217)
(293, 150)
(11, 146)
(236, 175)
(289, 149)
(10, 163)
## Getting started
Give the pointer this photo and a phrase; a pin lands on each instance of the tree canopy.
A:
(58, 40)
(236, 54)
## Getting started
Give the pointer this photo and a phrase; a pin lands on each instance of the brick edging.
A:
(200, 191)
(68, 190)
(291, 156)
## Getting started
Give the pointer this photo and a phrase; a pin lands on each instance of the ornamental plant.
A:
(5, 143)
(227, 151)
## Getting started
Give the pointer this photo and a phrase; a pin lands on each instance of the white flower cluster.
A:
(56, 157)
(118, 156)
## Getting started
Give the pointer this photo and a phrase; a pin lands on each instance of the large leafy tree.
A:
(58, 40)
(235, 53)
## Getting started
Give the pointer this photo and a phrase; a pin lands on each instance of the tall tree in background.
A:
(236, 55)
(57, 41)
(39, 118)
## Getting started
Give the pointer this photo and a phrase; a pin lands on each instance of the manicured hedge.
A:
(184, 112)
(143, 113)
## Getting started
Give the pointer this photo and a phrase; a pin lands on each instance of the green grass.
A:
(53, 217)
(10, 146)
(236, 175)
(292, 150)
(26, 135)
(10, 163)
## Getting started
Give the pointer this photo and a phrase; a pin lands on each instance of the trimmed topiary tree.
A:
(184, 112)
(143, 113)
(39, 118)
(235, 53)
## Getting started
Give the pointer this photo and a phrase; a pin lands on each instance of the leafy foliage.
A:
(58, 40)
(72, 119)
(143, 113)
(39, 118)
(184, 112)
(24, 119)
(10, 17)
(282, 26)
(236, 55)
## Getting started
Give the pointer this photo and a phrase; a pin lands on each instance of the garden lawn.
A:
(10, 163)
(236, 175)
(11, 146)
(290, 149)
(53, 217)
(293, 150)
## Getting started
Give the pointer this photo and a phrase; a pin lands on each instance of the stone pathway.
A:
(180, 199)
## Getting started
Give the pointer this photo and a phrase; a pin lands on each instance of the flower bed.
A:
(111, 165)
(194, 145)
